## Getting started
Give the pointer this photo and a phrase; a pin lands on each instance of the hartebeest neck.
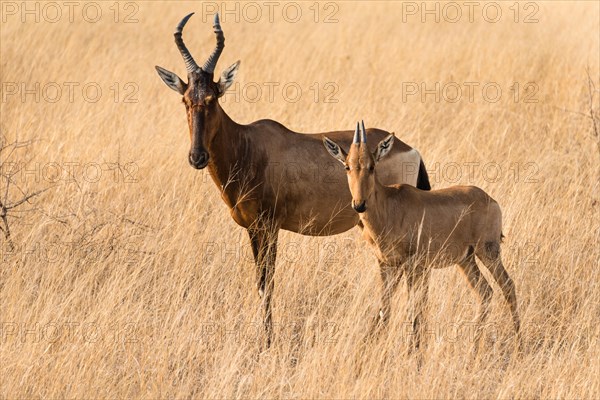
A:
(229, 150)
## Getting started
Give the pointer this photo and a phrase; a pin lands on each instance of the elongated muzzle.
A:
(360, 206)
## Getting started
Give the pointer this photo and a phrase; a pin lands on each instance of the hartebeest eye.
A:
(347, 167)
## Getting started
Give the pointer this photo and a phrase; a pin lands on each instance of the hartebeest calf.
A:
(270, 177)
(414, 230)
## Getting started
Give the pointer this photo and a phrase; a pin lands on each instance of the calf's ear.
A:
(384, 147)
(334, 149)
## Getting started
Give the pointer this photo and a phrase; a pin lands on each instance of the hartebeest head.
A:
(200, 93)
(360, 164)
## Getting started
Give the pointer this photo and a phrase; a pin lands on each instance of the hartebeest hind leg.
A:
(489, 254)
(481, 286)
(417, 279)
(264, 249)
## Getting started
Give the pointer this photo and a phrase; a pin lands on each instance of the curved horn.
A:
(211, 63)
(363, 135)
(356, 136)
(190, 64)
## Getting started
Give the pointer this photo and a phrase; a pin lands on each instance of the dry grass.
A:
(145, 289)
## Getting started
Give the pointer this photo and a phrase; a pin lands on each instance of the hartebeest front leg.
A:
(264, 248)
(418, 288)
(255, 243)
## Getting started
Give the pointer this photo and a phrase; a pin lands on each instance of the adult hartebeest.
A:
(270, 177)
(413, 230)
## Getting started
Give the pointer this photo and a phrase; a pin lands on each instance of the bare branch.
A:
(9, 208)
(24, 199)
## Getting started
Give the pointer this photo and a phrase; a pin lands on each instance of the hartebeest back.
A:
(414, 230)
(270, 177)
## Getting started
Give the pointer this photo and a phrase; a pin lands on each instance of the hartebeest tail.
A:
(414, 230)
(423, 177)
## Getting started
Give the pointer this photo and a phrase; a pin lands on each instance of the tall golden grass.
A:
(129, 279)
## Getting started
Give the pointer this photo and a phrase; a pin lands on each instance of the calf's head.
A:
(360, 164)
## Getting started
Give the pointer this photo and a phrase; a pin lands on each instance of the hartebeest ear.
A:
(227, 77)
(384, 147)
(336, 151)
(172, 80)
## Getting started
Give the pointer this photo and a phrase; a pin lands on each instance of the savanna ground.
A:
(127, 277)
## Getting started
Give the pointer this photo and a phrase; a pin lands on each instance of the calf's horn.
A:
(363, 132)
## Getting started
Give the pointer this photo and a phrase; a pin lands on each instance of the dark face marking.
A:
(200, 100)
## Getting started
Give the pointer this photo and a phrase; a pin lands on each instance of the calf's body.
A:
(436, 227)
(414, 231)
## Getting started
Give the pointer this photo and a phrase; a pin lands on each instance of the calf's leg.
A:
(483, 289)
(418, 286)
(489, 254)
(391, 274)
